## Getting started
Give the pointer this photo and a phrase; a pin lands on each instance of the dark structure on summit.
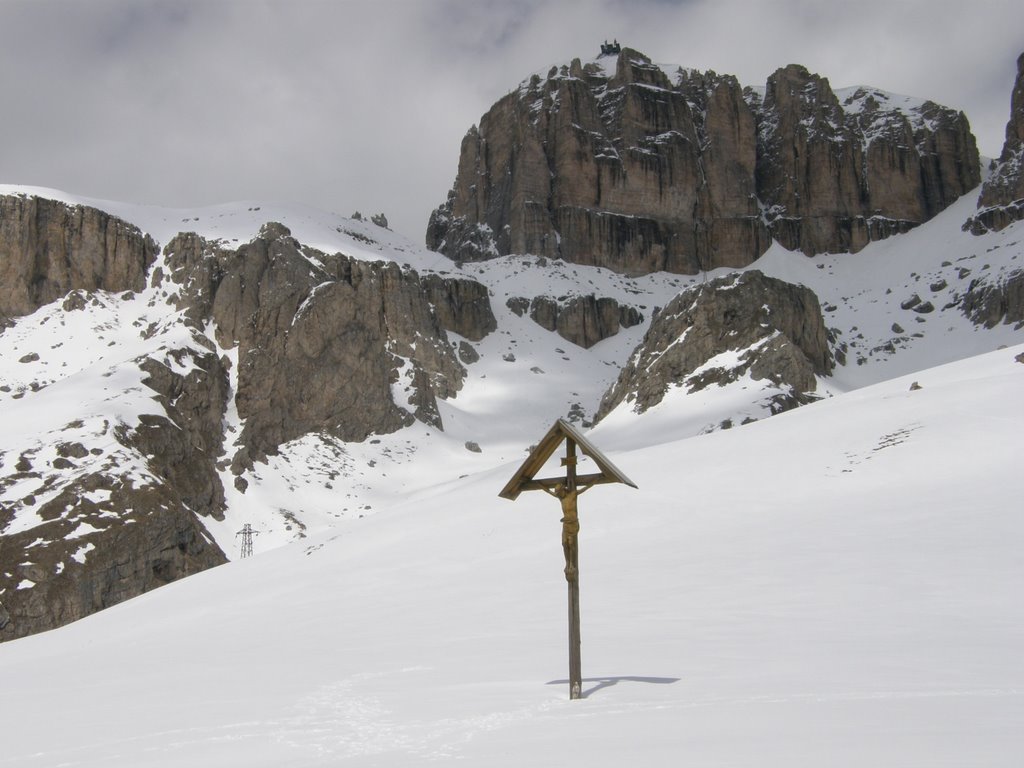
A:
(610, 49)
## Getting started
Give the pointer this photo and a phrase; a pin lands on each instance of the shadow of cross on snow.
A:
(607, 682)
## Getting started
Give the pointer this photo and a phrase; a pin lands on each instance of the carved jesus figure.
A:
(570, 527)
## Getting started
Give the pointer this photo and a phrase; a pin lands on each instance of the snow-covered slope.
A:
(838, 585)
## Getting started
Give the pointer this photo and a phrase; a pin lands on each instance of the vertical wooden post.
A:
(570, 547)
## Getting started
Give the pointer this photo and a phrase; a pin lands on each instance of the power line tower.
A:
(247, 533)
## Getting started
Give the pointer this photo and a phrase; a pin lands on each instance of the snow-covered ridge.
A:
(867, 102)
(236, 223)
(600, 66)
(855, 99)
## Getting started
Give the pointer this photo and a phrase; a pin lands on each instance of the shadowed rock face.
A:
(989, 303)
(1002, 197)
(644, 171)
(582, 320)
(462, 306)
(104, 533)
(776, 327)
(138, 539)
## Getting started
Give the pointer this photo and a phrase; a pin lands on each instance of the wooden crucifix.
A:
(566, 489)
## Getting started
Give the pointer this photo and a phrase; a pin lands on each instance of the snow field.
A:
(852, 599)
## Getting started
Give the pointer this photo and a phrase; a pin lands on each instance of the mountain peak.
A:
(627, 170)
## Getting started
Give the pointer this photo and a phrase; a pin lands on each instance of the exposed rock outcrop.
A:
(606, 171)
(112, 520)
(1002, 197)
(583, 320)
(773, 329)
(640, 171)
(49, 248)
(990, 303)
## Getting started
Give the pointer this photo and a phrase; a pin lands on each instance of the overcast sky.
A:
(362, 105)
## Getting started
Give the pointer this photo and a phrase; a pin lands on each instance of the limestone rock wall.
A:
(835, 174)
(462, 306)
(185, 445)
(642, 170)
(107, 532)
(49, 248)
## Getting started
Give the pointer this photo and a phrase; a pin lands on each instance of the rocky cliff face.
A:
(754, 325)
(637, 170)
(1002, 197)
(836, 171)
(48, 248)
(325, 341)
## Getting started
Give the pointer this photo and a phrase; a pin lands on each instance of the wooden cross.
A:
(566, 490)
